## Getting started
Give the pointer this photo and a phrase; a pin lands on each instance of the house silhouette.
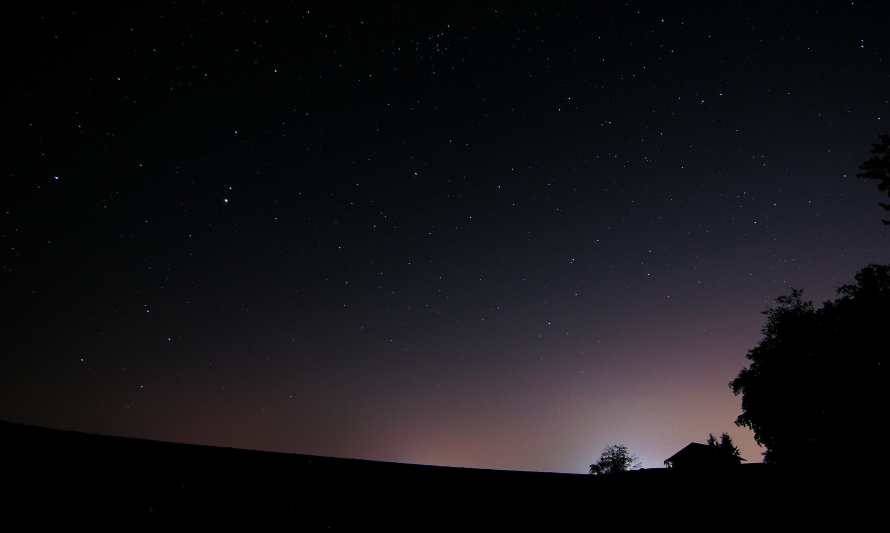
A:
(698, 456)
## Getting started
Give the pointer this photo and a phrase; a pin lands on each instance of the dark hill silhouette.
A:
(81, 476)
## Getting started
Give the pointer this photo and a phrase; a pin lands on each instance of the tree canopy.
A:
(725, 445)
(613, 459)
(878, 168)
(817, 377)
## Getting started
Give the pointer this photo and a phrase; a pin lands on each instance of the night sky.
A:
(486, 236)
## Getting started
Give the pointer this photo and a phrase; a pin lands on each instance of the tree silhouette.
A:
(816, 378)
(613, 459)
(725, 445)
(712, 440)
(878, 168)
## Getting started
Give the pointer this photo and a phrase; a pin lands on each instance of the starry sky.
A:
(491, 236)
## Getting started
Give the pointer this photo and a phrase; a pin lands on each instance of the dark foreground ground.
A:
(75, 477)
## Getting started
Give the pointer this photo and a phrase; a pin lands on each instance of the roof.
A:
(696, 449)
(690, 449)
